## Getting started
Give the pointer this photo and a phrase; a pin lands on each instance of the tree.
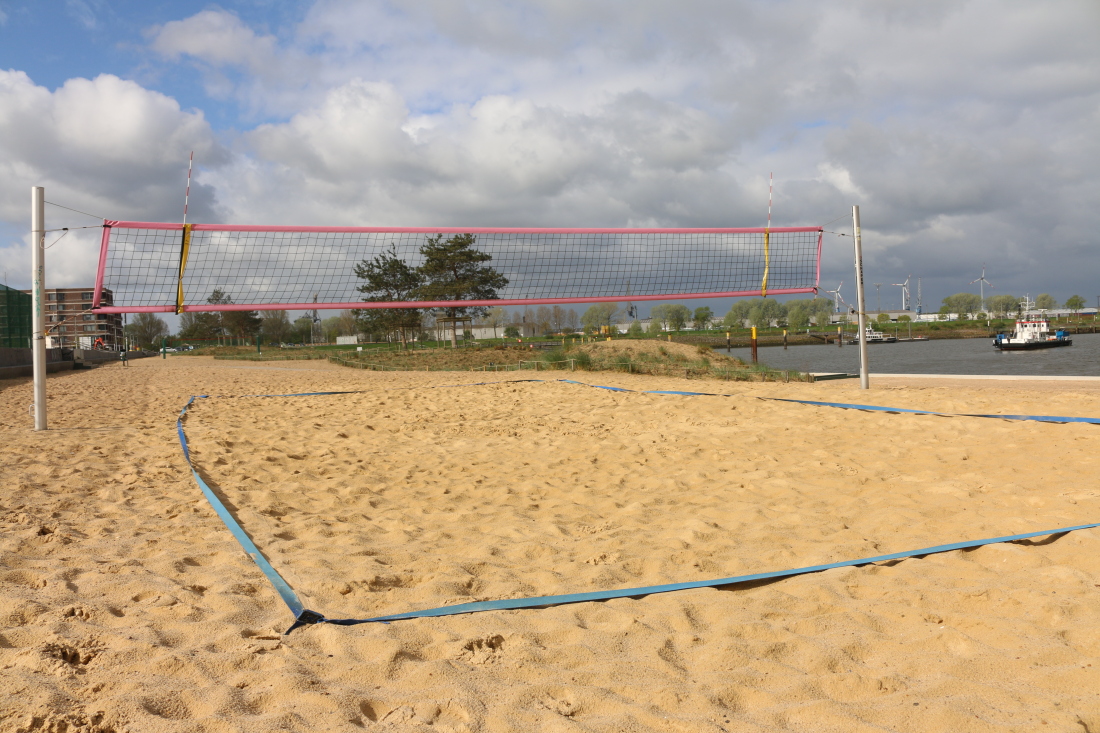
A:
(147, 330)
(822, 311)
(701, 318)
(330, 329)
(205, 325)
(572, 320)
(961, 303)
(658, 318)
(518, 323)
(760, 312)
(798, 316)
(454, 270)
(635, 330)
(800, 312)
(672, 314)
(303, 330)
(544, 320)
(275, 326)
(200, 326)
(242, 324)
(557, 319)
(1046, 302)
(495, 318)
(389, 280)
(530, 325)
(511, 332)
(599, 315)
(1002, 305)
(1075, 303)
(738, 314)
(883, 318)
(347, 323)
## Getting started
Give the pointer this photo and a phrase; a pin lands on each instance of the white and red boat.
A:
(1031, 333)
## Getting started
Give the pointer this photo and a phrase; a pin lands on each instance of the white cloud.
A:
(965, 130)
(361, 157)
(217, 37)
(104, 146)
(236, 61)
(84, 12)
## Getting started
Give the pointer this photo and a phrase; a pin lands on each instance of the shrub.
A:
(583, 360)
(554, 357)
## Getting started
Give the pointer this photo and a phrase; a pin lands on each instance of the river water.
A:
(946, 356)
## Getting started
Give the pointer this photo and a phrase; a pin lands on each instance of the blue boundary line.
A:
(877, 408)
(304, 616)
(281, 586)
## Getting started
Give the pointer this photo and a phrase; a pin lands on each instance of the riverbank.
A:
(937, 356)
(936, 330)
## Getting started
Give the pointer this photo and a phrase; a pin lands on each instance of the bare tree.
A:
(557, 319)
(147, 330)
(494, 319)
(572, 320)
(348, 323)
(544, 320)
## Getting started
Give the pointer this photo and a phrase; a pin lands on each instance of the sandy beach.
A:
(126, 605)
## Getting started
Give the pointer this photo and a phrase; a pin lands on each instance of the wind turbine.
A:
(904, 292)
(983, 282)
(837, 300)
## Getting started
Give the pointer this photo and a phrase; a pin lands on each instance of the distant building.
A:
(70, 325)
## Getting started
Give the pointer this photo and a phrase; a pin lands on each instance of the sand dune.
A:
(126, 605)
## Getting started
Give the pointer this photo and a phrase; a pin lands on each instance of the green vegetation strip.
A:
(265, 357)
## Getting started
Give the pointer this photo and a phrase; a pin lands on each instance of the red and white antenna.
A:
(187, 193)
(769, 201)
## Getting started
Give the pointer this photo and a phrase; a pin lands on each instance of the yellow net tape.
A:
(183, 264)
(767, 264)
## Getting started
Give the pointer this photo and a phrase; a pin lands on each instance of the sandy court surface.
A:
(125, 605)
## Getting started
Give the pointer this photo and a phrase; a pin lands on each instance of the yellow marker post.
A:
(754, 345)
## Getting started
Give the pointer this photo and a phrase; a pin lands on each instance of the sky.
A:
(966, 131)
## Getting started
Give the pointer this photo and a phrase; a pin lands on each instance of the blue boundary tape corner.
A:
(305, 617)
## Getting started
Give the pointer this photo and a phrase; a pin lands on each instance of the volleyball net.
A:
(159, 267)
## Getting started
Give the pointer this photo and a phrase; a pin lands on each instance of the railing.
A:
(544, 365)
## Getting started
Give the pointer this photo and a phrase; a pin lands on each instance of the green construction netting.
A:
(15, 318)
